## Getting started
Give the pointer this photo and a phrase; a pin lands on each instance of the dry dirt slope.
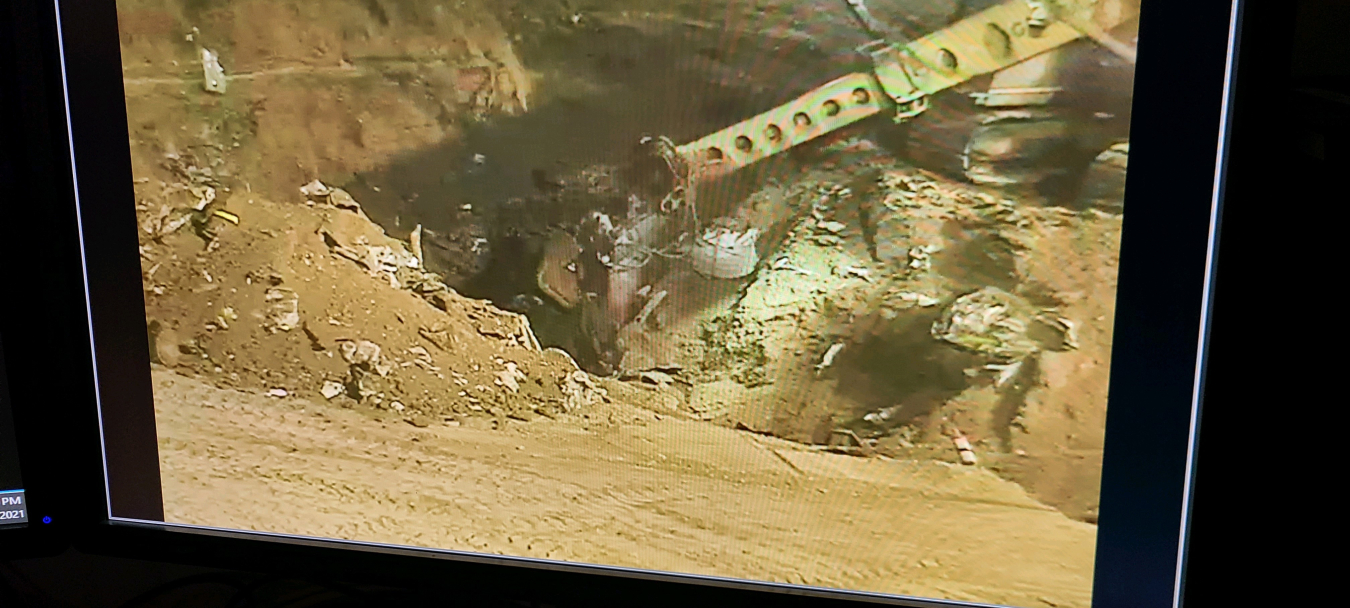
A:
(605, 483)
(618, 486)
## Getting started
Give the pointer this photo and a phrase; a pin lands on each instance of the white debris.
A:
(786, 264)
(276, 392)
(656, 377)
(828, 360)
(215, 75)
(921, 300)
(396, 406)
(1070, 333)
(315, 189)
(510, 378)
(283, 309)
(581, 391)
(1005, 372)
(725, 254)
(205, 196)
(856, 271)
(919, 257)
(364, 352)
(331, 389)
(882, 415)
(339, 198)
(415, 241)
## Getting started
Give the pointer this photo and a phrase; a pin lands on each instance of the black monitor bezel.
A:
(41, 319)
(1165, 249)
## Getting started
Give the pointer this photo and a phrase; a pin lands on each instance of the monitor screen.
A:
(818, 295)
(13, 507)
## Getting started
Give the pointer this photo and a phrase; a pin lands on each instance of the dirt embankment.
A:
(402, 412)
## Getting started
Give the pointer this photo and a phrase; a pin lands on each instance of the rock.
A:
(163, 344)
(831, 227)
(415, 242)
(437, 335)
(283, 310)
(359, 352)
(331, 389)
(582, 391)
(276, 392)
(1015, 149)
(315, 189)
(365, 354)
(339, 198)
(511, 377)
(563, 357)
(656, 377)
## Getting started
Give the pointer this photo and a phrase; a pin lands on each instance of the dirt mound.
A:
(303, 300)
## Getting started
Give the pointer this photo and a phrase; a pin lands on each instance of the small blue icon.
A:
(46, 519)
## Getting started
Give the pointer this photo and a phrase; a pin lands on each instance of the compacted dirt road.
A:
(617, 486)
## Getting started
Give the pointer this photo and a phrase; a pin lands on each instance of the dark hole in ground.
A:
(902, 370)
(599, 91)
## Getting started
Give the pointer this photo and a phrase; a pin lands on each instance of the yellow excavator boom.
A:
(905, 75)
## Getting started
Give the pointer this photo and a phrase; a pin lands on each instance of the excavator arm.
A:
(904, 76)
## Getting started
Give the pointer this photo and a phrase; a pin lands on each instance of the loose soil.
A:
(452, 450)
(617, 486)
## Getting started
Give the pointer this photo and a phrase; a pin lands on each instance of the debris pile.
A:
(990, 322)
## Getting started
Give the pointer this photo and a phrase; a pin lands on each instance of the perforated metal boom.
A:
(904, 76)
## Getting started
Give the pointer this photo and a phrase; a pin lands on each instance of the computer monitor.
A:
(832, 299)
